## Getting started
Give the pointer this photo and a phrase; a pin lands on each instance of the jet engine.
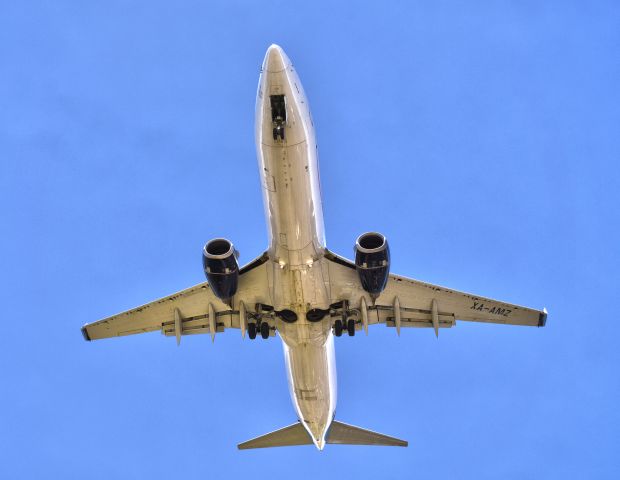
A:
(219, 259)
(372, 261)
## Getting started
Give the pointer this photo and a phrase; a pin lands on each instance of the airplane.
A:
(298, 287)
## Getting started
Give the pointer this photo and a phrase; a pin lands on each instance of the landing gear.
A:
(278, 132)
(287, 315)
(278, 115)
(338, 328)
(316, 314)
(252, 330)
(263, 315)
(351, 327)
(264, 330)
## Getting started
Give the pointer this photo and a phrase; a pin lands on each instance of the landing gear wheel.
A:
(264, 330)
(351, 327)
(252, 330)
(338, 328)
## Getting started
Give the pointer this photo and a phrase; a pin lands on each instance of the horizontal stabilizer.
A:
(339, 433)
(344, 434)
(288, 436)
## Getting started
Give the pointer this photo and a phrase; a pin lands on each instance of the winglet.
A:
(435, 317)
(542, 319)
(85, 334)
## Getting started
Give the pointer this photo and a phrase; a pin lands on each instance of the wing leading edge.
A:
(411, 303)
(191, 311)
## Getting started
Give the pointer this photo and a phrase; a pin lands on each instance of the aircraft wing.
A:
(191, 311)
(410, 303)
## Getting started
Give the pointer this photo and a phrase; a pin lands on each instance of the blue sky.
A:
(480, 137)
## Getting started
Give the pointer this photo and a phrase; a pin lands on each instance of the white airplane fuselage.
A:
(298, 288)
(288, 164)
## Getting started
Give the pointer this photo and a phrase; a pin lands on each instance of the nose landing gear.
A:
(278, 115)
(278, 131)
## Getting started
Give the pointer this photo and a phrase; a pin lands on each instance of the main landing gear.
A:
(264, 330)
(260, 321)
(255, 328)
(252, 330)
(340, 309)
(351, 327)
(339, 327)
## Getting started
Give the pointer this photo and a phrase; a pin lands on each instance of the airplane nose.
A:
(275, 60)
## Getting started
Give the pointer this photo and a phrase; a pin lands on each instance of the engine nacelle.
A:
(219, 259)
(372, 261)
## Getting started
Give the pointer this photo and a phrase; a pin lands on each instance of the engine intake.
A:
(372, 261)
(219, 259)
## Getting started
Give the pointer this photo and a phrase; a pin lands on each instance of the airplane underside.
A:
(298, 288)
